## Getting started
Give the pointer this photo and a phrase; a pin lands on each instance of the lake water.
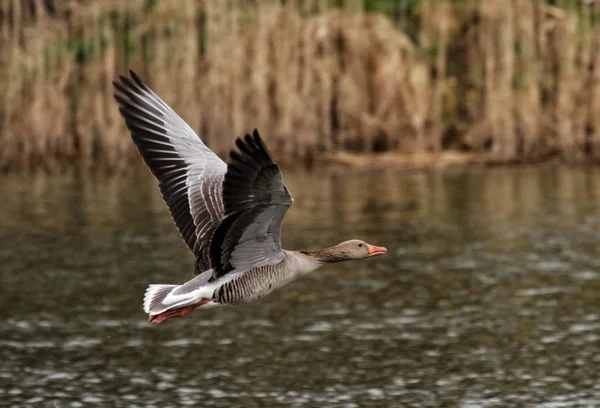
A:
(489, 296)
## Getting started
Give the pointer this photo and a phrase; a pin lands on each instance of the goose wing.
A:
(190, 175)
(255, 201)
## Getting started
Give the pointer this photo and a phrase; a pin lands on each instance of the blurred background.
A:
(495, 80)
(462, 135)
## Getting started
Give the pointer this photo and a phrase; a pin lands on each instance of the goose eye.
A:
(359, 245)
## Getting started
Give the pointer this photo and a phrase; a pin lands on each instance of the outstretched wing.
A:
(190, 175)
(255, 201)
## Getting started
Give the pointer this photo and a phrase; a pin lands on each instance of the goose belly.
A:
(253, 284)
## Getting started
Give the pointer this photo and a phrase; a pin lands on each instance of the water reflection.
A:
(489, 296)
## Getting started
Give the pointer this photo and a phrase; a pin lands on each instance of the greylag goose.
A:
(229, 215)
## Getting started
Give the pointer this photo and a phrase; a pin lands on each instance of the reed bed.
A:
(505, 80)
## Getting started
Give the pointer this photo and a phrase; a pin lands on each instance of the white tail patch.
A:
(153, 299)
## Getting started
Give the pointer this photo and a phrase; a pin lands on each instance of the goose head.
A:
(346, 251)
(357, 249)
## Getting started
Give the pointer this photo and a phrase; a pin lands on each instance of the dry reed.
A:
(510, 80)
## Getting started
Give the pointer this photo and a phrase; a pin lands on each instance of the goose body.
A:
(229, 215)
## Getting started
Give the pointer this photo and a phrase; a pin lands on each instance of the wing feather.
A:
(255, 200)
(190, 175)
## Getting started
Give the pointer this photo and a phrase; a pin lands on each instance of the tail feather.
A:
(153, 299)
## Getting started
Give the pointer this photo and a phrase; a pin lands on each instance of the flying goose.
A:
(229, 215)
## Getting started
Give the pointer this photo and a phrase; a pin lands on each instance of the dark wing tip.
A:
(239, 143)
(138, 81)
(127, 84)
(120, 87)
(124, 85)
(260, 144)
(120, 100)
(134, 76)
(252, 148)
(233, 155)
(256, 136)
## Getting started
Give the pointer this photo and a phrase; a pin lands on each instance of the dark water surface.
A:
(489, 297)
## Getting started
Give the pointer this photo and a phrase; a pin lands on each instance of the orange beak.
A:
(376, 250)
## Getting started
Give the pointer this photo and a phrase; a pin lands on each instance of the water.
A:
(489, 296)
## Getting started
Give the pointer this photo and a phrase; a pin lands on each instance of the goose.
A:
(229, 215)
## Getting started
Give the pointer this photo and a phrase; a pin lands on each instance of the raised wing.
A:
(190, 175)
(255, 201)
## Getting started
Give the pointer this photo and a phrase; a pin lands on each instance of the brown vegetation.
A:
(513, 80)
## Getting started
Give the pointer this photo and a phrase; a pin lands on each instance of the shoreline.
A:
(336, 161)
(437, 161)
